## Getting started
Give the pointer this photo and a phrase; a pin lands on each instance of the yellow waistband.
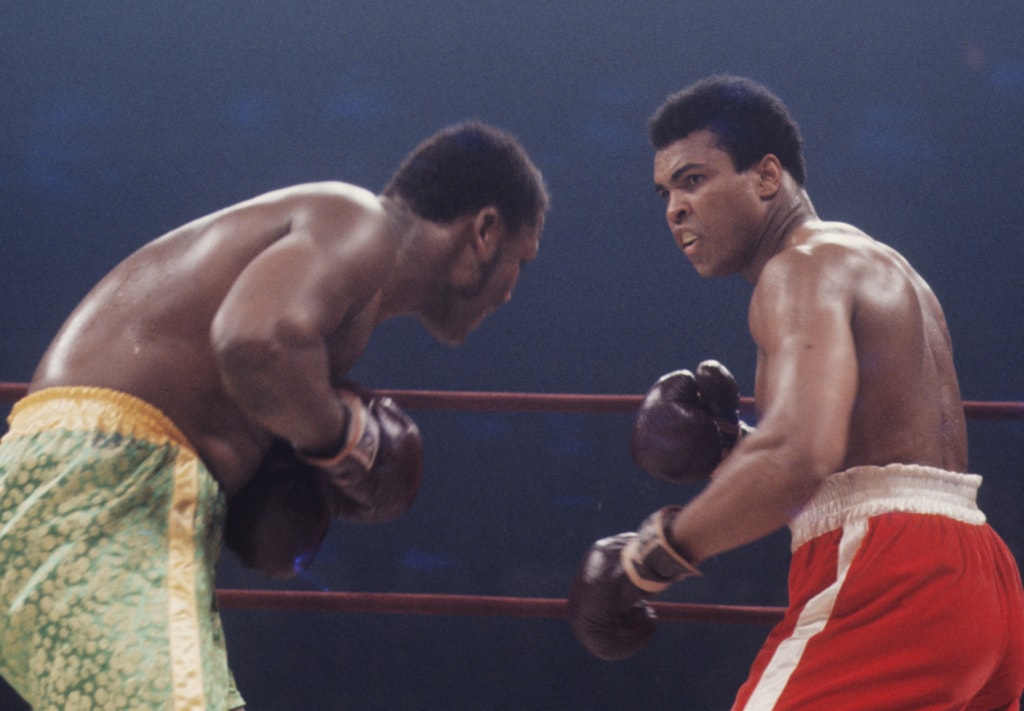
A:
(92, 409)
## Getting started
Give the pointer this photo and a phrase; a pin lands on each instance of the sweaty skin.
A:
(854, 362)
(238, 325)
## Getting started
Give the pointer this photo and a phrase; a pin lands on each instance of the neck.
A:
(399, 216)
(791, 210)
(400, 221)
(415, 262)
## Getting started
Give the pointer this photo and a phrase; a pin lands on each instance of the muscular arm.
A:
(800, 318)
(271, 332)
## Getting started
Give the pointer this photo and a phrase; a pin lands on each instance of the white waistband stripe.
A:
(862, 492)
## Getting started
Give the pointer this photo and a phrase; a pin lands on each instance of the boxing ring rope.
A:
(562, 403)
(472, 605)
(491, 606)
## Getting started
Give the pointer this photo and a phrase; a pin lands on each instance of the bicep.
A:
(283, 293)
(807, 367)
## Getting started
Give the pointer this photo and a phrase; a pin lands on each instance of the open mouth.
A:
(686, 240)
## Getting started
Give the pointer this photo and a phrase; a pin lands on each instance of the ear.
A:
(487, 233)
(769, 172)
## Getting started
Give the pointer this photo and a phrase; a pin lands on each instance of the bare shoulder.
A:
(322, 200)
(831, 255)
(330, 193)
(333, 222)
(827, 268)
(343, 219)
(812, 257)
(264, 218)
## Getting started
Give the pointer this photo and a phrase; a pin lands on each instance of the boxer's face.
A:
(715, 213)
(458, 309)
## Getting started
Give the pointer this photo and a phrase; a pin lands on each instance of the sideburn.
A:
(486, 270)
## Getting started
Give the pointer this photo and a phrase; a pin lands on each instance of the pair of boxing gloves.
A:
(278, 521)
(687, 423)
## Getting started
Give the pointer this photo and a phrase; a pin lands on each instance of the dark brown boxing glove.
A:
(687, 423)
(376, 475)
(278, 521)
(675, 437)
(608, 608)
(721, 397)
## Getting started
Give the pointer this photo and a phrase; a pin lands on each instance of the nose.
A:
(675, 209)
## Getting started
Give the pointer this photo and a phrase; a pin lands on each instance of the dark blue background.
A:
(121, 120)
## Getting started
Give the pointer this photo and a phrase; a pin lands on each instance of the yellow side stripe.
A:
(186, 652)
(91, 409)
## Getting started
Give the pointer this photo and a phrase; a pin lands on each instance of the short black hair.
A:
(466, 167)
(748, 120)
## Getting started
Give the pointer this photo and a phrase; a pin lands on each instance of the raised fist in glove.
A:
(376, 474)
(687, 423)
(278, 521)
(608, 607)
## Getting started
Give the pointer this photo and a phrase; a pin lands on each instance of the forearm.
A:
(286, 389)
(756, 491)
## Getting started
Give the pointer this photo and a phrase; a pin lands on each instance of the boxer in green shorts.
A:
(199, 393)
(111, 527)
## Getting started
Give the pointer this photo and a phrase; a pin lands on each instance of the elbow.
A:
(798, 465)
(246, 358)
(239, 357)
(809, 468)
(250, 347)
(257, 359)
(816, 464)
(243, 365)
(810, 472)
(238, 351)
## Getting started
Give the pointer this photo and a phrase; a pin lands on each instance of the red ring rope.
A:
(560, 402)
(471, 605)
(424, 604)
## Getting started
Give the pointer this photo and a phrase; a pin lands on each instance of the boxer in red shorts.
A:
(901, 596)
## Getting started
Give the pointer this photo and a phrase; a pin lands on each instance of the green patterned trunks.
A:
(110, 529)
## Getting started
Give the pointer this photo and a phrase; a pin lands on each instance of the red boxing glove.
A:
(608, 608)
(278, 520)
(377, 473)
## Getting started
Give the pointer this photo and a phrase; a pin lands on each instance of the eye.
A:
(693, 180)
